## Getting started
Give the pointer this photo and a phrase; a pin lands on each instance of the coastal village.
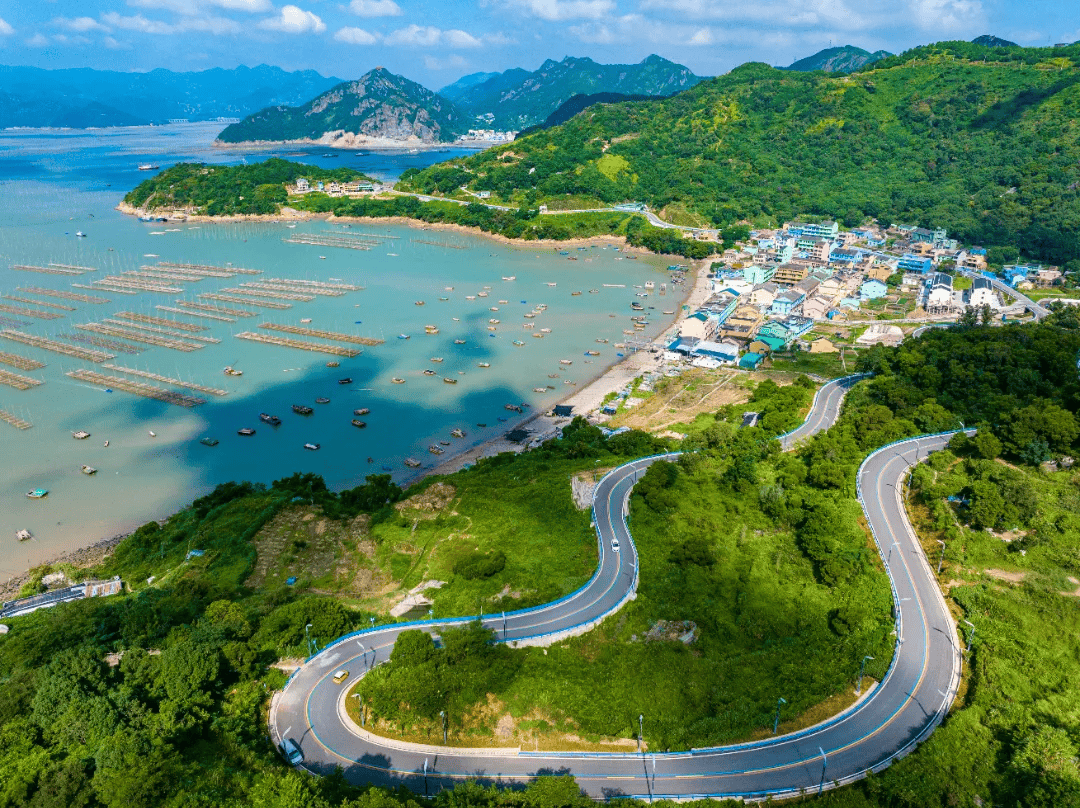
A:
(810, 286)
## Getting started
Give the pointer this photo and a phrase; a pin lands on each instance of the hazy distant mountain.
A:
(379, 104)
(519, 98)
(459, 88)
(81, 97)
(579, 103)
(991, 41)
(843, 59)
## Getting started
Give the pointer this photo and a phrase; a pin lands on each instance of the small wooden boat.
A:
(444, 443)
(419, 303)
(429, 372)
(565, 362)
(602, 341)
(152, 433)
(551, 284)
(209, 441)
(361, 411)
(537, 335)
(594, 291)
(301, 409)
(493, 321)
(436, 359)
(435, 449)
(503, 302)
(358, 423)
(38, 493)
(575, 294)
(23, 535)
(305, 320)
(459, 342)
(512, 407)
(553, 375)
(448, 380)
(267, 418)
(411, 463)
(247, 431)
(88, 470)
(80, 435)
(402, 336)
(470, 297)
(397, 380)
(332, 364)
(481, 425)
(231, 371)
(322, 400)
(492, 328)
(518, 342)
(592, 353)
(431, 329)
(444, 298)
(539, 389)
(457, 432)
(312, 447)
(483, 364)
(493, 308)
(545, 330)
(481, 294)
(509, 277)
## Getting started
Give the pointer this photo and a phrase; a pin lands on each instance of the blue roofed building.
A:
(915, 263)
(873, 290)
(750, 361)
(758, 273)
(787, 301)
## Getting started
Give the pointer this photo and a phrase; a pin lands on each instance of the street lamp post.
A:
(641, 729)
(442, 715)
(307, 637)
(941, 559)
(776, 721)
(971, 634)
(363, 652)
(891, 546)
(862, 667)
(372, 619)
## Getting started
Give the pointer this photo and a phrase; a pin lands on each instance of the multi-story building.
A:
(939, 294)
(789, 274)
(758, 273)
(982, 293)
(742, 324)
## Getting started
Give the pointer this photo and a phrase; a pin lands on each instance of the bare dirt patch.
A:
(429, 502)
(680, 399)
(1002, 575)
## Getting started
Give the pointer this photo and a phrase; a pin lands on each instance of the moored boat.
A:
(361, 411)
(247, 431)
(209, 441)
(88, 470)
(539, 389)
(402, 336)
(457, 432)
(435, 449)
(267, 418)
(412, 463)
(358, 423)
(448, 380)
(322, 400)
(333, 364)
(592, 353)
(80, 435)
(397, 380)
(23, 535)
(301, 409)
(483, 364)
(436, 359)
(429, 372)
(38, 493)
(231, 371)
(346, 380)
(459, 342)
(565, 362)
(518, 342)
(313, 447)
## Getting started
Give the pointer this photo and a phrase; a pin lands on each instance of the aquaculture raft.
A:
(136, 388)
(37, 290)
(211, 391)
(336, 350)
(314, 332)
(20, 362)
(56, 347)
(18, 381)
(14, 420)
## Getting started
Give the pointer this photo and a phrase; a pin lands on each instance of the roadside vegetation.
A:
(157, 697)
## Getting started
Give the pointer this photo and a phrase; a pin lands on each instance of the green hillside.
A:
(842, 59)
(229, 190)
(982, 141)
(378, 104)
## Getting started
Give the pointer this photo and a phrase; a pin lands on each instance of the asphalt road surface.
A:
(902, 710)
(824, 411)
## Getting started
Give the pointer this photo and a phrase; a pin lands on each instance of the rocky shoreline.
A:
(81, 558)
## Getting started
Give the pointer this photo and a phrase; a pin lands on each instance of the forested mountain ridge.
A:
(379, 104)
(842, 59)
(80, 97)
(519, 98)
(981, 141)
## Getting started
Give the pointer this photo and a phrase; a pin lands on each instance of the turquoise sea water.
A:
(54, 184)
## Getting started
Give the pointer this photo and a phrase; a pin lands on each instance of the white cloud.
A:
(419, 35)
(37, 41)
(499, 39)
(355, 36)
(78, 39)
(114, 44)
(5, 28)
(252, 6)
(427, 36)
(702, 36)
(559, 10)
(375, 8)
(593, 32)
(81, 24)
(294, 20)
(948, 15)
(143, 25)
(461, 39)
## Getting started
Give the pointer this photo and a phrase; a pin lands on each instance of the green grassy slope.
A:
(937, 136)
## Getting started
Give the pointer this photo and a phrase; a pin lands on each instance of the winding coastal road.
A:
(887, 723)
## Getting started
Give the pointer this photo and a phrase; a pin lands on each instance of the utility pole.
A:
(942, 558)
(971, 635)
(442, 715)
(307, 638)
(641, 729)
(776, 721)
(862, 667)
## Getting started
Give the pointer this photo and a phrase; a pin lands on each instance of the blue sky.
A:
(436, 41)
